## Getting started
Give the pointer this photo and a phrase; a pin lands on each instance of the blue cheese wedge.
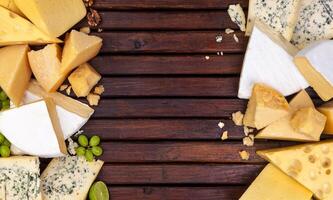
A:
(19, 178)
(269, 60)
(281, 15)
(237, 15)
(315, 22)
(69, 178)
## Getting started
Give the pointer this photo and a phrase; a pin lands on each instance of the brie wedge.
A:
(34, 128)
(269, 60)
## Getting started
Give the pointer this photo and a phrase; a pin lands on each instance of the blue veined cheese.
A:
(237, 15)
(281, 15)
(19, 178)
(68, 178)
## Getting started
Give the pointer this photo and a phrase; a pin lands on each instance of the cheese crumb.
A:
(68, 90)
(99, 30)
(236, 38)
(72, 146)
(99, 90)
(247, 130)
(93, 99)
(237, 15)
(220, 124)
(219, 38)
(63, 87)
(248, 140)
(207, 57)
(244, 155)
(237, 118)
(224, 135)
(85, 29)
(229, 30)
(220, 53)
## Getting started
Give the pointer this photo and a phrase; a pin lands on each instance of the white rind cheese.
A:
(269, 60)
(69, 178)
(315, 22)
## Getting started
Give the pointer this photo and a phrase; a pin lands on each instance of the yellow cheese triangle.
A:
(15, 72)
(309, 164)
(301, 100)
(10, 4)
(327, 110)
(16, 30)
(273, 184)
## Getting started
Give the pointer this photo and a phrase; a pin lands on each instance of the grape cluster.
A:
(89, 148)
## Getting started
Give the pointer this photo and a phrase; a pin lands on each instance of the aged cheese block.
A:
(10, 4)
(69, 178)
(269, 60)
(273, 184)
(53, 17)
(34, 128)
(309, 164)
(281, 15)
(79, 48)
(83, 79)
(14, 29)
(265, 106)
(327, 110)
(15, 71)
(301, 100)
(46, 66)
(316, 64)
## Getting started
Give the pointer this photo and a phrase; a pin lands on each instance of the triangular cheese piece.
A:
(309, 164)
(316, 65)
(34, 128)
(14, 29)
(269, 60)
(273, 184)
(301, 100)
(10, 4)
(327, 110)
(15, 71)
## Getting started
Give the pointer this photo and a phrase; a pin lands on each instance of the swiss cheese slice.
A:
(316, 64)
(327, 110)
(273, 184)
(269, 60)
(71, 172)
(14, 29)
(309, 164)
(34, 128)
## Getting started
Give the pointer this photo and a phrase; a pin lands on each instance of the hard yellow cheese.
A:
(309, 164)
(10, 4)
(327, 110)
(45, 65)
(16, 30)
(265, 106)
(79, 48)
(273, 184)
(15, 71)
(53, 17)
(83, 79)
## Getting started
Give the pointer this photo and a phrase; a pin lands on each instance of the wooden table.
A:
(164, 99)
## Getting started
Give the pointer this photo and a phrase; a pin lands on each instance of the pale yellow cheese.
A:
(79, 48)
(265, 106)
(15, 72)
(301, 100)
(14, 29)
(327, 110)
(53, 17)
(45, 65)
(83, 79)
(10, 4)
(273, 184)
(309, 164)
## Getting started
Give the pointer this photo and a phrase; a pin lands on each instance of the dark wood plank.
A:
(177, 193)
(171, 42)
(124, 174)
(166, 4)
(162, 65)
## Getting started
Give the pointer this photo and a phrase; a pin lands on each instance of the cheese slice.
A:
(316, 65)
(269, 60)
(327, 110)
(34, 128)
(19, 178)
(10, 4)
(273, 184)
(15, 71)
(309, 164)
(73, 173)
(16, 30)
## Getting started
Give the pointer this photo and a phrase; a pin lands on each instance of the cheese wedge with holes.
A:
(273, 184)
(316, 64)
(14, 29)
(10, 4)
(309, 164)
(35, 129)
(75, 174)
(15, 71)
(269, 60)
(54, 17)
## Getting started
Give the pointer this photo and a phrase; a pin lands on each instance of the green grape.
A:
(3, 96)
(97, 150)
(6, 143)
(4, 151)
(2, 138)
(83, 140)
(94, 141)
(80, 151)
(5, 104)
(89, 155)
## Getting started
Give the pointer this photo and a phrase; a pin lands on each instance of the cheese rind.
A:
(269, 60)
(273, 184)
(69, 178)
(327, 110)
